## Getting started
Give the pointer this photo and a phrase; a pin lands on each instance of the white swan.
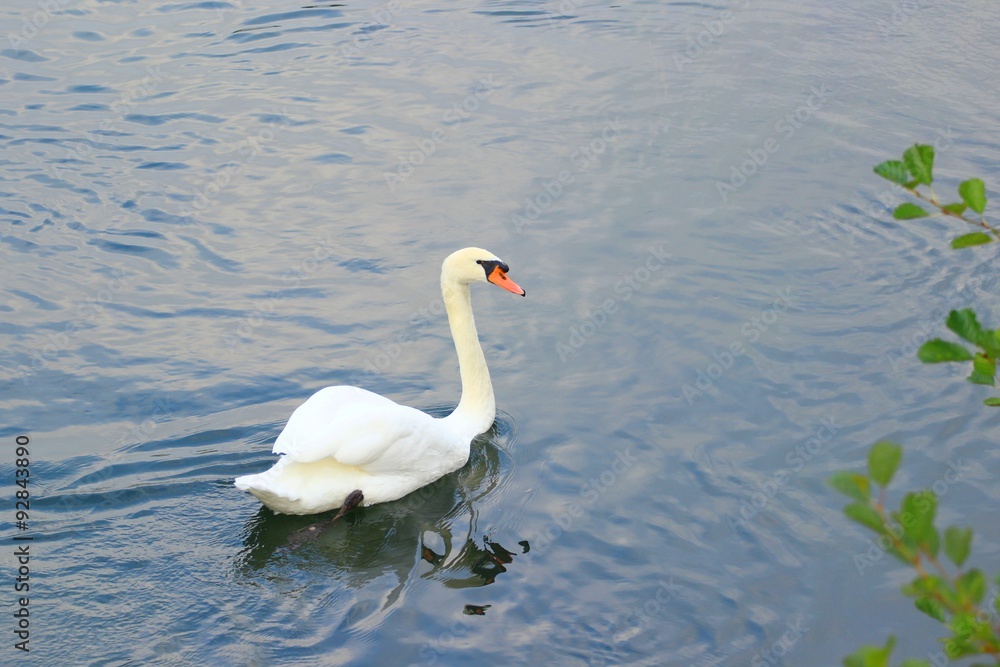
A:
(346, 445)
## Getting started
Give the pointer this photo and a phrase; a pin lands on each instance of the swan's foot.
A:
(352, 500)
(303, 535)
(307, 534)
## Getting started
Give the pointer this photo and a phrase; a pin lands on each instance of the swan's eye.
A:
(479, 262)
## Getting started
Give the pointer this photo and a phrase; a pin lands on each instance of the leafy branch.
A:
(953, 598)
(984, 361)
(916, 169)
(951, 595)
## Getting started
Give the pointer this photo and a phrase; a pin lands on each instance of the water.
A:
(211, 210)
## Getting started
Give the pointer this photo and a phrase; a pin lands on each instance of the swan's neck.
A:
(477, 409)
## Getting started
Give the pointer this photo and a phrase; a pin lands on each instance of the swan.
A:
(347, 446)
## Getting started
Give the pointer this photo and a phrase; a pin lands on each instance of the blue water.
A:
(210, 210)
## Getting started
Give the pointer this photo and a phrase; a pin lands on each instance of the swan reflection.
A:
(431, 533)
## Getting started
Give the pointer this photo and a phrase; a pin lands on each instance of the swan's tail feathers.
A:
(291, 487)
(251, 483)
(278, 499)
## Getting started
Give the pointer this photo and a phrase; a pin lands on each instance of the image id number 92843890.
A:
(22, 541)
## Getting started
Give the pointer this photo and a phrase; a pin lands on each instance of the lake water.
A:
(211, 210)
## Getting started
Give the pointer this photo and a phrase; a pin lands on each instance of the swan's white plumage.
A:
(345, 438)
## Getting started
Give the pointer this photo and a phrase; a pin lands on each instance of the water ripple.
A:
(211, 215)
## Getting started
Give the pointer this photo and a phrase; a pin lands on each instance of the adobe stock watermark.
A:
(698, 44)
(965, 628)
(850, 229)
(906, 353)
(825, 231)
(590, 492)
(141, 432)
(425, 148)
(582, 158)
(566, 7)
(779, 479)
(637, 617)
(382, 17)
(625, 288)
(133, 94)
(775, 653)
(391, 349)
(87, 313)
(435, 647)
(902, 11)
(387, 352)
(265, 309)
(751, 331)
(891, 196)
(784, 129)
(877, 548)
(33, 22)
(249, 147)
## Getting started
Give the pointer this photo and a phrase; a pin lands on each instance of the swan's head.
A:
(472, 265)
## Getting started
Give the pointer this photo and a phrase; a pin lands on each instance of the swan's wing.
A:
(356, 428)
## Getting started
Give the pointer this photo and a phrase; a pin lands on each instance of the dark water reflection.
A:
(433, 532)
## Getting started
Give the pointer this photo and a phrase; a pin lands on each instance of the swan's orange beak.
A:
(500, 279)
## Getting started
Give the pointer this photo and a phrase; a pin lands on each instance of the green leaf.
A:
(969, 240)
(909, 211)
(902, 553)
(852, 484)
(964, 323)
(971, 629)
(871, 656)
(932, 608)
(865, 515)
(957, 208)
(928, 585)
(983, 370)
(893, 170)
(972, 585)
(933, 541)
(937, 350)
(957, 542)
(992, 402)
(973, 193)
(919, 160)
(991, 343)
(959, 647)
(917, 517)
(883, 459)
(934, 587)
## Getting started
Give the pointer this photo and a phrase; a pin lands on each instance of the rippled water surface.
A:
(210, 210)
